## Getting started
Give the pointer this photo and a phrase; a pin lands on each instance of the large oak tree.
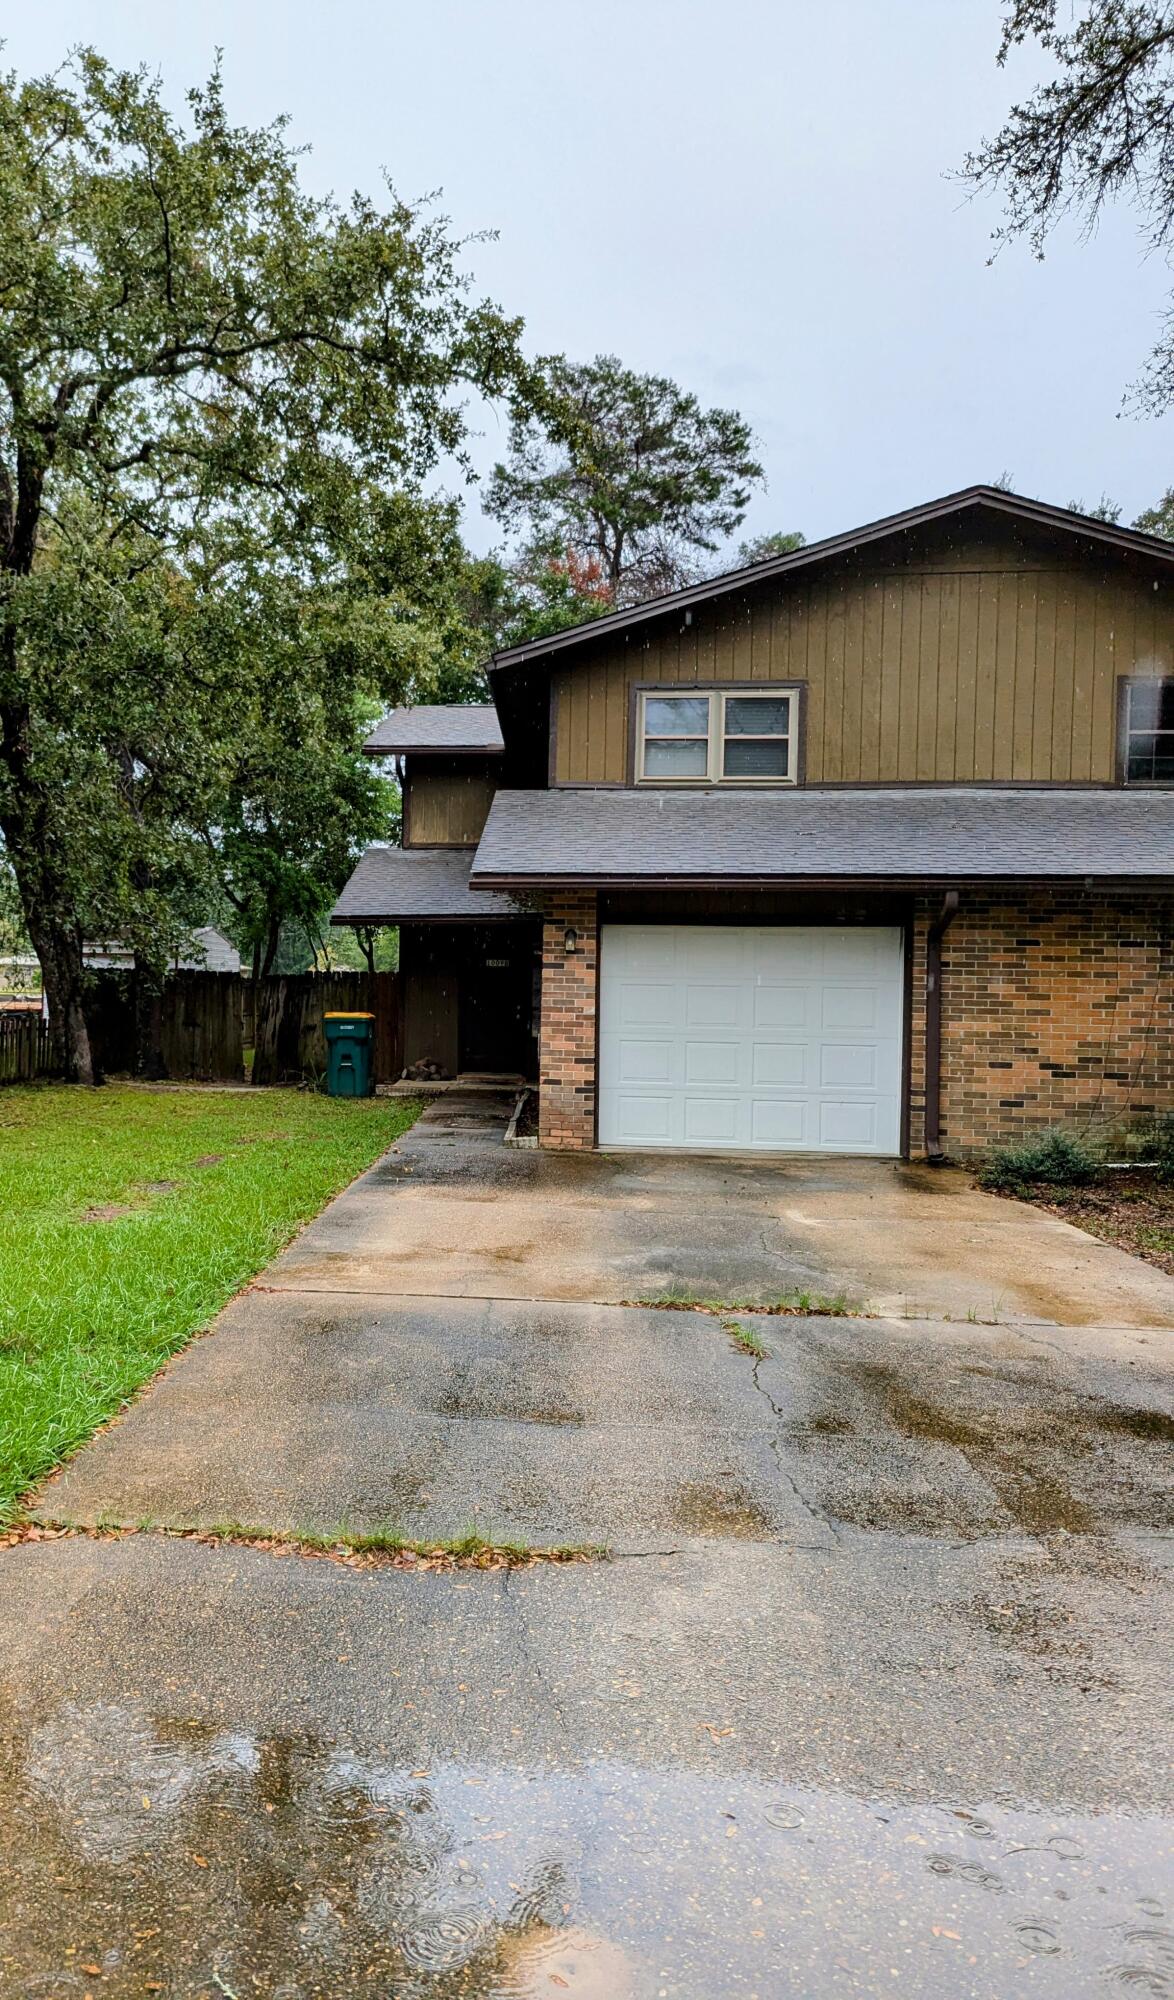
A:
(207, 378)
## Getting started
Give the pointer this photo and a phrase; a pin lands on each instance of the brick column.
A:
(566, 1046)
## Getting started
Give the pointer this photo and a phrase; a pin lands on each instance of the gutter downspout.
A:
(933, 1026)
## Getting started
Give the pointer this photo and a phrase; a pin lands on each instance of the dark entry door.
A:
(496, 1008)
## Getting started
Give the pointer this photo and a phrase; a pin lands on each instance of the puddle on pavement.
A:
(174, 1858)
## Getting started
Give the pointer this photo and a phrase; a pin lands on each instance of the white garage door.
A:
(767, 1039)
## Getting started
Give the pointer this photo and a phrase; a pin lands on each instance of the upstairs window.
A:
(1147, 729)
(676, 736)
(715, 738)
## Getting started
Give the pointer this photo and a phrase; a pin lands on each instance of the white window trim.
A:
(717, 697)
(1132, 729)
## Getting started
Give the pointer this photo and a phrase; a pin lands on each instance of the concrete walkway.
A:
(869, 1698)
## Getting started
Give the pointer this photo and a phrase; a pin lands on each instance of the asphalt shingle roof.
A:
(940, 834)
(394, 884)
(473, 728)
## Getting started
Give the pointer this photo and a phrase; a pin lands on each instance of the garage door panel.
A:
(712, 1121)
(642, 1119)
(643, 954)
(779, 1123)
(711, 1006)
(848, 1066)
(643, 1005)
(779, 1063)
(779, 1038)
(645, 1062)
(849, 1007)
(712, 1062)
(782, 1006)
(848, 1127)
(705, 954)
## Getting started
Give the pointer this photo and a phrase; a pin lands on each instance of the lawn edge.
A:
(351, 1550)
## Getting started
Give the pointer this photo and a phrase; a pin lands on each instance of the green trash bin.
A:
(349, 1048)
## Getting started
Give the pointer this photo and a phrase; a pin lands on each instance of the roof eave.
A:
(433, 750)
(886, 879)
(470, 917)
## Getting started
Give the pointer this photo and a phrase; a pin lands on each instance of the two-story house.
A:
(868, 848)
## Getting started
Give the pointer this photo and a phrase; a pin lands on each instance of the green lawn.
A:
(127, 1218)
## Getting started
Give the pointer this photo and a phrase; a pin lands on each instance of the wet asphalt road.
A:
(872, 1699)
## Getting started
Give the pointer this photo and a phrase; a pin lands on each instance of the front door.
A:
(496, 1004)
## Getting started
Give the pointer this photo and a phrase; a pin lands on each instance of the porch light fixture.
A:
(570, 940)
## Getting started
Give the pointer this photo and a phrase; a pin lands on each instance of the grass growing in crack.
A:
(747, 1338)
(468, 1551)
(836, 1305)
(128, 1218)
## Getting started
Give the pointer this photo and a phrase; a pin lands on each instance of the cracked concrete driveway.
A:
(870, 1697)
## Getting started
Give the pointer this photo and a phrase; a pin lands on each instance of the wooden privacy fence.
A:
(208, 1020)
(25, 1048)
(204, 1026)
(288, 1037)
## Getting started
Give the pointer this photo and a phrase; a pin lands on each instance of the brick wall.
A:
(1057, 1008)
(566, 1046)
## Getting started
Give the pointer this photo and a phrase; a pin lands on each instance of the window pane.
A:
(1151, 759)
(751, 715)
(669, 758)
(681, 715)
(745, 758)
(1151, 705)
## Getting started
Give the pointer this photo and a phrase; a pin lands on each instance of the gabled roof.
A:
(394, 885)
(948, 833)
(991, 499)
(455, 732)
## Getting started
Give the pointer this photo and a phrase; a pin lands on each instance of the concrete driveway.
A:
(470, 1220)
(868, 1698)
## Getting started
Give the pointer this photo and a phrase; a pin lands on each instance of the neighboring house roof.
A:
(214, 953)
(903, 833)
(456, 731)
(990, 499)
(393, 885)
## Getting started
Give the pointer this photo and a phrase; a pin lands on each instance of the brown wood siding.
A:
(445, 807)
(970, 666)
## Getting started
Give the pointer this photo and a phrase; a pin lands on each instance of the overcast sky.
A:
(748, 195)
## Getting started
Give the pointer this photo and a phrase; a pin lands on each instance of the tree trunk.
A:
(149, 1063)
(271, 944)
(59, 950)
(56, 939)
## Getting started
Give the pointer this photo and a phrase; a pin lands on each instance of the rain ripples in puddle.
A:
(191, 1861)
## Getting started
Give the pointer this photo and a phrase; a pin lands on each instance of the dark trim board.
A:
(431, 750)
(907, 936)
(897, 884)
(396, 923)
